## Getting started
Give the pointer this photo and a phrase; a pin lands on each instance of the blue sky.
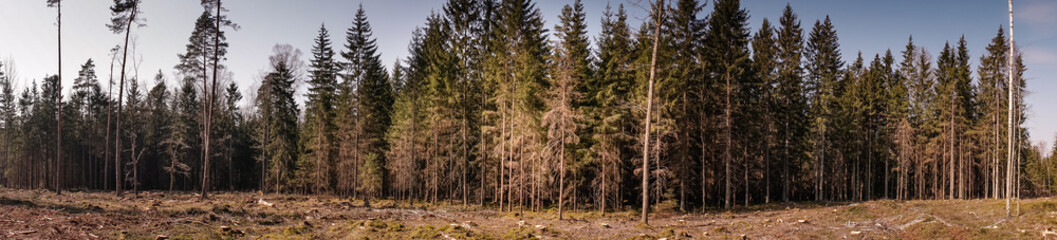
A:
(27, 33)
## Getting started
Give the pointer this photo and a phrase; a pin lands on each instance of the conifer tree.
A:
(367, 95)
(464, 21)
(7, 117)
(439, 75)
(790, 97)
(124, 16)
(231, 128)
(608, 90)
(315, 163)
(765, 65)
(727, 47)
(823, 65)
(681, 50)
(279, 113)
(991, 73)
(403, 137)
(570, 68)
(58, 178)
(8, 110)
(210, 89)
(899, 110)
(658, 13)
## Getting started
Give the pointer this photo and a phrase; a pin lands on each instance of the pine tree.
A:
(58, 174)
(124, 16)
(210, 89)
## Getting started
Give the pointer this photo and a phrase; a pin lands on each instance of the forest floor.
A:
(38, 214)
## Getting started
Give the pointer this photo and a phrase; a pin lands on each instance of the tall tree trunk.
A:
(58, 100)
(210, 98)
(727, 202)
(649, 113)
(120, 96)
(952, 163)
(786, 179)
(109, 111)
(1009, 77)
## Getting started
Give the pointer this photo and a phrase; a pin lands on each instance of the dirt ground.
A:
(35, 214)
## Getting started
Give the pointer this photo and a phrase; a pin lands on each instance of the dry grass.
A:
(28, 214)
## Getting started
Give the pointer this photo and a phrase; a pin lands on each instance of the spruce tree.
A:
(990, 104)
(403, 137)
(823, 65)
(899, 103)
(465, 23)
(514, 77)
(727, 49)
(608, 91)
(791, 104)
(315, 164)
(682, 49)
(368, 98)
(570, 68)
(766, 66)
(279, 114)
(439, 79)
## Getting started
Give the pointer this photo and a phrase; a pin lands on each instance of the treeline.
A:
(494, 107)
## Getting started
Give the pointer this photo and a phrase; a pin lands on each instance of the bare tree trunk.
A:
(120, 96)
(106, 144)
(561, 175)
(603, 203)
(726, 147)
(1009, 77)
(786, 179)
(58, 100)
(210, 93)
(952, 143)
(649, 114)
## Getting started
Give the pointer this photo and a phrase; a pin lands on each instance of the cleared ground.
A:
(29, 214)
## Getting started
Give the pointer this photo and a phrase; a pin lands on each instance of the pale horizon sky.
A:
(27, 34)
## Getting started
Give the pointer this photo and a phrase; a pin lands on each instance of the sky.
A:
(28, 34)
